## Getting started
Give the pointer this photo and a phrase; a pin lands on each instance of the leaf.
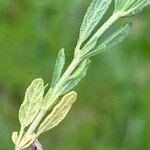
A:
(32, 102)
(89, 46)
(118, 4)
(131, 7)
(94, 14)
(60, 62)
(123, 4)
(138, 6)
(14, 137)
(112, 40)
(46, 99)
(76, 77)
(58, 113)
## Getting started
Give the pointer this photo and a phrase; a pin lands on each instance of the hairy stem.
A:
(54, 95)
(75, 62)
(36, 122)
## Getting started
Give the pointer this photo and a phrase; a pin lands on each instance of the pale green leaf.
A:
(131, 7)
(112, 40)
(26, 141)
(60, 62)
(14, 137)
(94, 14)
(32, 102)
(118, 4)
(123, 4)
(46, 99)
(89, 46)
(76, 77)
(138, 6)
(58, 113)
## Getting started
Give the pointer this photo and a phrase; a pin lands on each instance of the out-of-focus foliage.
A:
(113, 107)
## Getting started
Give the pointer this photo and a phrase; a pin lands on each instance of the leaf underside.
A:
(93, 15)
(32, 102)
(112, 40)
(58, 113)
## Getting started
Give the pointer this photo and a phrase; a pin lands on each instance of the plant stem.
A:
(54, 95)
(36, 122)
(75, 62)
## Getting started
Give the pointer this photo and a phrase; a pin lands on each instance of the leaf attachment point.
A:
(76, 76)
(112, 40)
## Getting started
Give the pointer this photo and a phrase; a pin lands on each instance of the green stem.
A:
(54, 95)
(75, 62)
(36, 122)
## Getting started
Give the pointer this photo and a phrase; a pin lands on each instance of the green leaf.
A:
(131, 7)
(46, 99)
(14, 137)
(94, 14)
(138, 6)
(89, 46)
(118, 3)
(60, 62)
(32, 102)
(123, 4)
(58, 113)
(112, 40)
(76, 77)
(26, 141)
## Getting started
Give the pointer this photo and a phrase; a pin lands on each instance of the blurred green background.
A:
(113, 107)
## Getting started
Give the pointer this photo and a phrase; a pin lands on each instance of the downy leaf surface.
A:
(60, 62)
(58, 113)
(76, 77)
(138, 6)
(131, 7)
(112, 40)
(32, 102)
(93, 15)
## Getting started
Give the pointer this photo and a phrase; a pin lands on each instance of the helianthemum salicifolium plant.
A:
(41, 111)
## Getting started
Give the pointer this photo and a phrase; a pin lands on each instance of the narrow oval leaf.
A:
(32, 102)
(58, 113)
(118, 36)
(138, 6)
(89, 46)
(46, 99)
(94, 14)
(112, 40)
(123, 5)
(14, 137)
(76, 77)
(60, 62)
(131, 7)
